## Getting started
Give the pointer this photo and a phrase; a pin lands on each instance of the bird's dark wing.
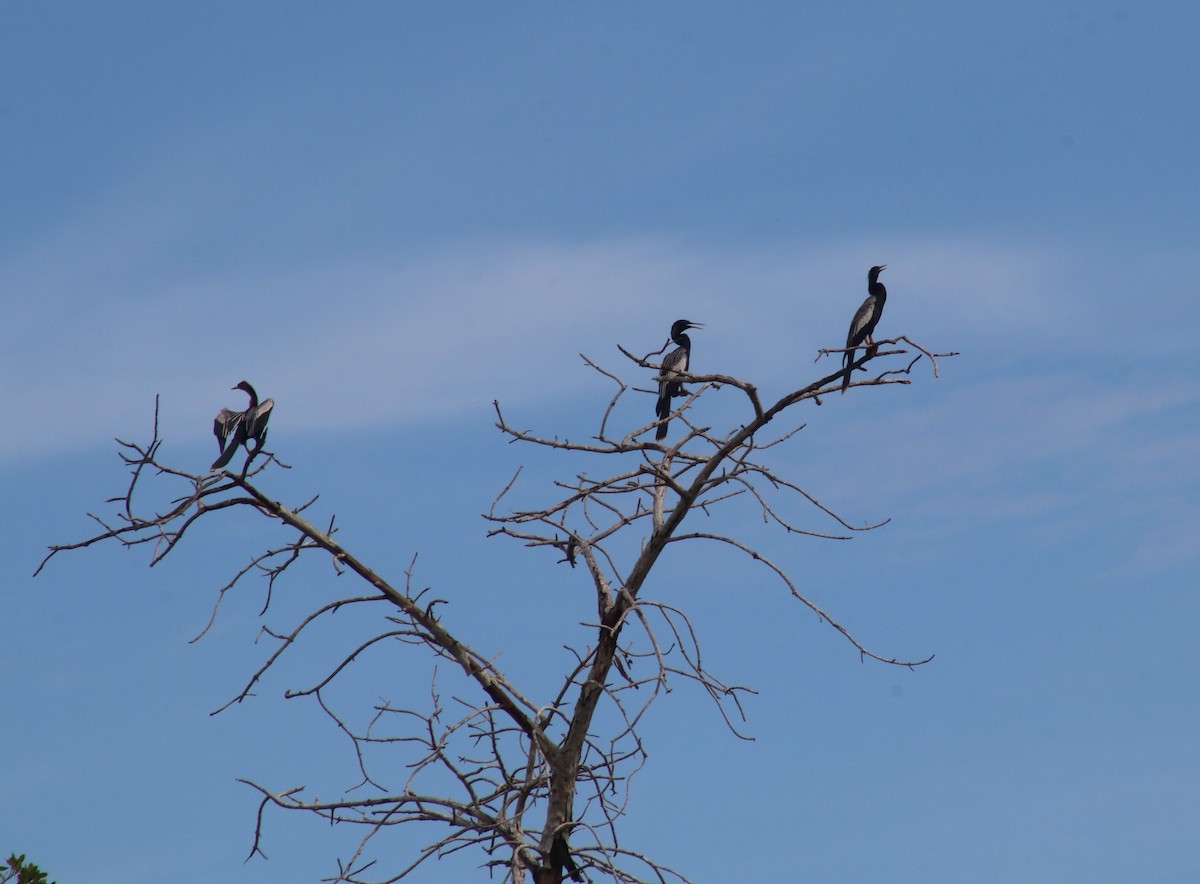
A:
(863, 323)
(225, 424)
(258, 421)
(676, 362)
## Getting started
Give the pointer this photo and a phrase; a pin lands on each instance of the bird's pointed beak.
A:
(695, 325)
(882, 267)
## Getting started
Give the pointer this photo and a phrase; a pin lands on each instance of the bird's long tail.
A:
(847, 361)
(662, 411)
(239, 437)
(560, 856)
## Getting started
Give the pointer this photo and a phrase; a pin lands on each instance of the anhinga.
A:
(239, 427)
(677, 361)
(863, 325)
(560, 857)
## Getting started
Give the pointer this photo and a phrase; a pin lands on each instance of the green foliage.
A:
(20, 872)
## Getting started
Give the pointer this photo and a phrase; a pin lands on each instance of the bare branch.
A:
(534, 786)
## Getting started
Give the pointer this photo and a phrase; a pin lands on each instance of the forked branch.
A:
(538, 787)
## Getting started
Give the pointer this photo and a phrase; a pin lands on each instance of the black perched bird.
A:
(865, 320)
(239, 427)
(560, 857)
(677, 361)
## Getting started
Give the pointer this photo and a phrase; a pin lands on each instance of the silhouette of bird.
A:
(234, 428)
(677, 361)
(560, 857)
(862, 327)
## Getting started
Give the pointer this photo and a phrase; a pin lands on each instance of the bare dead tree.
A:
(539, 786)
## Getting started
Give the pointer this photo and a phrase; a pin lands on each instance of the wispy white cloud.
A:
(104, 323)
(1059, 456)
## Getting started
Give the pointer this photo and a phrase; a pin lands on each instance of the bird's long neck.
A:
(253, 397)
(683, 341)
(878, 290)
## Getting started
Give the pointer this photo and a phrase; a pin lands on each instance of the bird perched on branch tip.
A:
(234, 428)
(675, 363)
(862, 327)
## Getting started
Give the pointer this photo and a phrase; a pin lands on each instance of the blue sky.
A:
(388, 215)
